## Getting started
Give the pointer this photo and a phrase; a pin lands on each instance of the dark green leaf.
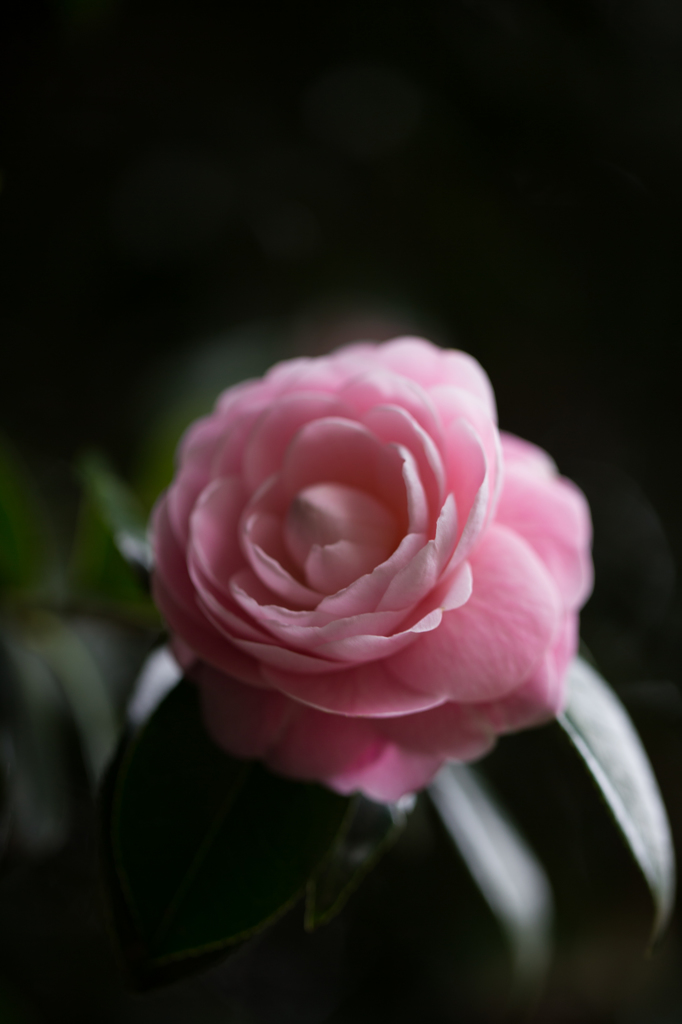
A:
(510, 877)
(207, 849)
(22, 540)
(371, 829)
(601, 731)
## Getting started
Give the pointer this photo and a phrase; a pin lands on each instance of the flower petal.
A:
(553, 516)
(345, 452)
(243, 720)
(320, 746)
(394, 773)
(392, 424)
(451, 731)
(431, 366)
(369, 690)
(491, 644)
(275, 428)
(214, 526)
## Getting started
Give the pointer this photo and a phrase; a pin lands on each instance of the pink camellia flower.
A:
(362, 575)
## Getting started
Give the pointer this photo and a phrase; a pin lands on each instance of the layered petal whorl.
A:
(362, 575)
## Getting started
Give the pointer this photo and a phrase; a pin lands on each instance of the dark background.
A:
(190, 190)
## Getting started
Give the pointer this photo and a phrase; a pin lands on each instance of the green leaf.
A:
(207, 849)
(509, 875)
(22, 539)
(118, 508)
(82, 685)
(111, 556)
(37, 783)
(602, 733)
(370, 831)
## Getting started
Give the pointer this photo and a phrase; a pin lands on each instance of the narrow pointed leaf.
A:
(207, 849)
(37, 783)
(82, 684)
(601, 731)
(370, 831)
(119, 510)
(509, 875)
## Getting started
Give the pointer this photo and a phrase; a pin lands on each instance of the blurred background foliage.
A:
(190, 191)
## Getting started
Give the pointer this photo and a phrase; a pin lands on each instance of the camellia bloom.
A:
(362, 575)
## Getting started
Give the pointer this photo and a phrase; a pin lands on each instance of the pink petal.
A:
(452, 731)
(286, 659)
(381, 388)
(260, 532)
(553, 516)
(365, 593)
(468, 471)
(391, 424)
(342, 451)
(274, 430)
(431, 366)
(228, 458)
(198, 444)
(516, 450)
(239, 397)
(453, 405)
(395, 773)
(201, 637)
(214, 529)
(541, 697)
(325, 514)
(169, 557)
(182, 495)
(304, 628)
(370, 647)
(421, 573)
(245, 721)
(369, 690)
(325, 373)
(486, 648)
(334, 567)
(320, 746)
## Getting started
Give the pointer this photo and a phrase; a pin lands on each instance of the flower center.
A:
(336, 533)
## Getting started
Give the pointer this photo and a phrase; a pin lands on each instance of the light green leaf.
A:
(509, 875)
(602, 733)
(119, 509)
(37, 783)
(82, 684)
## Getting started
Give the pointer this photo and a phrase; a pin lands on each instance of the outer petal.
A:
(214, 525)
(394, 773)
(517, 451)
(541, 697)
(244, 721)
(430, 366)
(200, 636)
(552, 514)
(369, 690)
(320, 746)
(490, 645)
(452, 731)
